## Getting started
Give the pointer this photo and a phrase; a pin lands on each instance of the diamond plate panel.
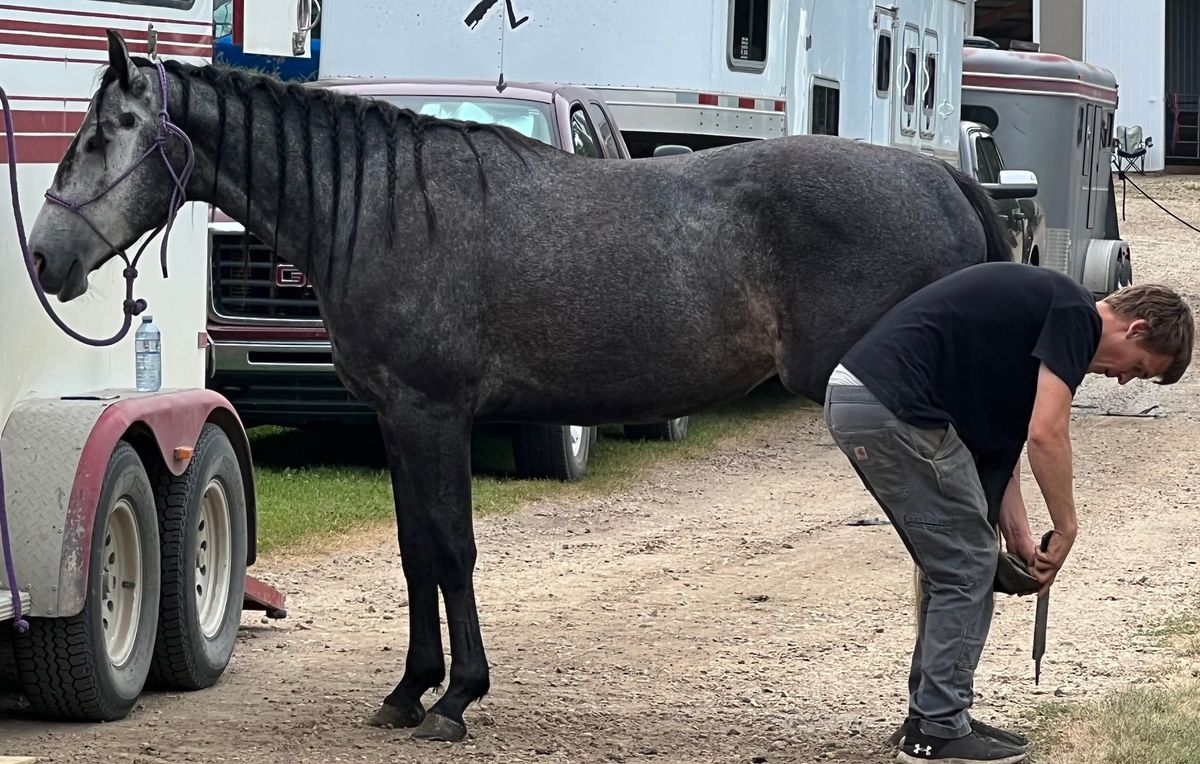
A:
(41, 446)
(1058, 250)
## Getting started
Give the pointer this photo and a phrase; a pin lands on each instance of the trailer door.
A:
(885, 71)
(276, 27)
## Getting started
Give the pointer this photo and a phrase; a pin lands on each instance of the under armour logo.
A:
(922, 750)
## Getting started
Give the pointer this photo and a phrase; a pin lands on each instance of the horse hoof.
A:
(391, 717)
(439, 728)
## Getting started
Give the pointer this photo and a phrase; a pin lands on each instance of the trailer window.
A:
(748, 20)
(182, 5)
(883, 65)
(1088, 142)
(826, 103)
(910, 78)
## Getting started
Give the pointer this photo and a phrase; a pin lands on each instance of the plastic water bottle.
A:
(147, 348)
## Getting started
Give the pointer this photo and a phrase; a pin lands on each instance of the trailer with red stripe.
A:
(698, 73)
(129, 517)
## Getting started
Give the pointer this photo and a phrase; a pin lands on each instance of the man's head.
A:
(1147, 333)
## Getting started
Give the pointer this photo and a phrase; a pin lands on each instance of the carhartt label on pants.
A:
(860, 453)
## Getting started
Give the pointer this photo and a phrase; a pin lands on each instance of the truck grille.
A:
(245, 284)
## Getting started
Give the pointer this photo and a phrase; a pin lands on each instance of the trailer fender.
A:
(59, 449)
(1107, 266)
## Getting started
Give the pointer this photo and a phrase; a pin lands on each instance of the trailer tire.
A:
(202, 523)
(66, 667)
(672, 430)
(552, 451)
(9, 681)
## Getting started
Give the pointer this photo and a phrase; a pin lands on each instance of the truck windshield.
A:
(526, 117)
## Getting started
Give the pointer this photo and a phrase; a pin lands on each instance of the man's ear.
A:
(1138, 329)
(129, 76)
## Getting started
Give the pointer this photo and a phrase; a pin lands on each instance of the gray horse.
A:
(445, 254)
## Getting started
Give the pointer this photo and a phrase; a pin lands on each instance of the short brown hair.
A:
(1171, 330)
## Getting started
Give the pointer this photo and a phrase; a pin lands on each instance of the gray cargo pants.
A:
(927, 484)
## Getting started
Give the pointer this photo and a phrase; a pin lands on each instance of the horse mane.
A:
(343, 113)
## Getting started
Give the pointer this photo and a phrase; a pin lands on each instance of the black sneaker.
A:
(978, 727)
(897, 737)
(972, 748)
(995, 733)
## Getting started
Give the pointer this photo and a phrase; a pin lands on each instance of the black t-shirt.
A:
(966, 350)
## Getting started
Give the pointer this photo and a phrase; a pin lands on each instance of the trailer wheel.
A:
(202, 522)
(673, 430)
(93, 666)
(559, 452)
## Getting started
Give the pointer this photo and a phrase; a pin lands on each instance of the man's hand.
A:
(1047, 564)
(1026, 547)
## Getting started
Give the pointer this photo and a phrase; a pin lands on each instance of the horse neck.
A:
(284, 161)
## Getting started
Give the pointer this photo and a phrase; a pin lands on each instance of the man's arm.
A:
(1014, 520)
(1049, 449)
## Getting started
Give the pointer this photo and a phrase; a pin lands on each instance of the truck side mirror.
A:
(1014, 184)
(671, 150)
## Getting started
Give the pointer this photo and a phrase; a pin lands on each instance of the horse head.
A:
(107, 191)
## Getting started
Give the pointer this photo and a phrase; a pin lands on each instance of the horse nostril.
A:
(39, 263)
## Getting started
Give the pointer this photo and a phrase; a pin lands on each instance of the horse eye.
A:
(127, 120)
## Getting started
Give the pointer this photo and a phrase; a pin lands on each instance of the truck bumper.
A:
(283, 382)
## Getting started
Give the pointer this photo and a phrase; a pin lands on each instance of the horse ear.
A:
(128, 74)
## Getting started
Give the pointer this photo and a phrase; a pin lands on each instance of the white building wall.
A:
(1130, 39)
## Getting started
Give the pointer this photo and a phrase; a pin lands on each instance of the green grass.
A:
(1185, 624)
(1157, 724)
(316, 486)
(1146, 724)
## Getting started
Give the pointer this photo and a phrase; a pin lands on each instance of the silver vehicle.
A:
(1055, 115)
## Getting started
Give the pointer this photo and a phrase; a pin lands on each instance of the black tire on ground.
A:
(64, 665)
(673, 430)
(549, 451)
(188, 654)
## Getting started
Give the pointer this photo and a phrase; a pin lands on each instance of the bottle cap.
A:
(147, 318)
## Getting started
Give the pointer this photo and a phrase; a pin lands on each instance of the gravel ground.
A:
(724, 610)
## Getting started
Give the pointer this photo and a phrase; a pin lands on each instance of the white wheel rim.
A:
(576, 433)
(121, 597)
(213, 551)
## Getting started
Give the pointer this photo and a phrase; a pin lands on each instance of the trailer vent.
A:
(1058, 250)
(256, 284)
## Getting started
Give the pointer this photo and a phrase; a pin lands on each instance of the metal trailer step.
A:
(264, 597)
(6, 604)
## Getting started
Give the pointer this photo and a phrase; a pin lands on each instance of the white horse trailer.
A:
(700, 73)
(131, 516)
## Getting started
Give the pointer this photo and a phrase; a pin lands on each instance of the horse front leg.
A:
(424, 666)
(432, 481)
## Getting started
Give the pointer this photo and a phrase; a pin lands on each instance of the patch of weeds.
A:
(1048, 721)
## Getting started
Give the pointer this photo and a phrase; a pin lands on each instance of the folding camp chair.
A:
(1131, 150)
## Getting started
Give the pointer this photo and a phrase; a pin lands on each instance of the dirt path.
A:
(725, 610)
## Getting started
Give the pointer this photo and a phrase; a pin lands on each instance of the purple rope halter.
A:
(131, 307)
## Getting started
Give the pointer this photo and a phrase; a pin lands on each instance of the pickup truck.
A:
(268, 350)
(1012, 191)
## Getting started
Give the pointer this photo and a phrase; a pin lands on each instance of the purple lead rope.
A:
(131, 307)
